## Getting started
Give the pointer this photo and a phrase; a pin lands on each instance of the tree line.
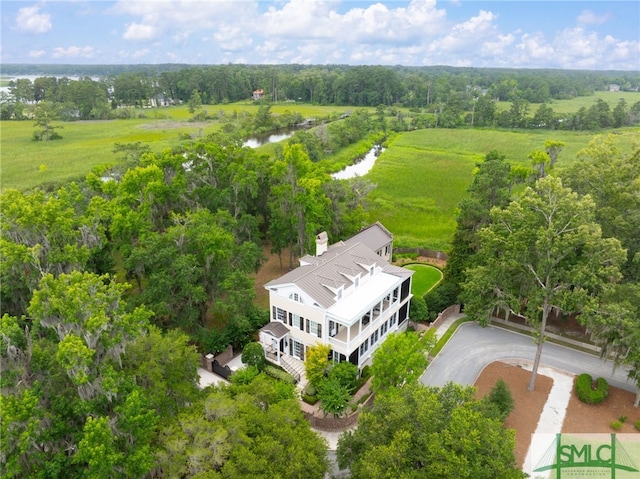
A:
(438, 96)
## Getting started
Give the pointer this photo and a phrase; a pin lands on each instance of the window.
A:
(386, 250)
(366, 319)
(279, 314)
(314, 328)
(333, 328)
(371, 270)
(296, 297)
(393, 320)
(296, 321)
(356, 282)
(396, 292)
(339, 293)
(364, 347)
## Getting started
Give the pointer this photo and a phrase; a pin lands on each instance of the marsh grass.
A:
(87, 144)
(574, 104)
(423, 175)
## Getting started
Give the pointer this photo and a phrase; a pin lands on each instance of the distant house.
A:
(614, 87)
(347, 296)
(257, 94)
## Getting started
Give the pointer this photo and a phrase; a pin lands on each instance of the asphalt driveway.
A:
(472, 348)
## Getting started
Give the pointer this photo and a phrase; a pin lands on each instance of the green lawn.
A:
(424, 278)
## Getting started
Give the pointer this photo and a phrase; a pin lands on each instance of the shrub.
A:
(637, 425)
(622, 419)
(346, 374)
(310, 399)
(334, 396)
(418, 310)
(501, 397)
(244, 375)
(279, 374)
(310, 390)
(587, 393)
(615, 425)
(253, 355)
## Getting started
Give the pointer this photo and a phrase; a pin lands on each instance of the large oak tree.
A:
(543, 252)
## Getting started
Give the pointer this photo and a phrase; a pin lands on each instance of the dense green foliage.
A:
(420, 432)
(400, 360)
(86, 384)
(543, 251)
(246, 430)
(589, 394)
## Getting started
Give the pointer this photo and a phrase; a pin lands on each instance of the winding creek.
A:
(360, 168)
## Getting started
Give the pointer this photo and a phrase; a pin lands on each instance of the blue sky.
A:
(597, 35)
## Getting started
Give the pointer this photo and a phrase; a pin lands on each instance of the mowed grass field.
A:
(423, 175)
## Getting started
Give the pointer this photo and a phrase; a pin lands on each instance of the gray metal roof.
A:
(326, 273)
(275, 329)
(375, 236)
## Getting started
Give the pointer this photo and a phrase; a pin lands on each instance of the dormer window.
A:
(339, 294)
(356, 281)
(371, 269)
(296, 297)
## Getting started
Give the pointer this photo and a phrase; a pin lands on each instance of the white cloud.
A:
(36, 53)
(140, 53)
(30, 20)
(411, 32)
(138, 31)
(74, 52)
(468, 35)
(587, 17)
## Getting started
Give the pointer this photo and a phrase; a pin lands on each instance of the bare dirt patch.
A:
(579, 418)
(270, 269)
(592, 418)
(528, 405)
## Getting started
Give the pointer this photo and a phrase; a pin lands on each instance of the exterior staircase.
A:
(292, 365)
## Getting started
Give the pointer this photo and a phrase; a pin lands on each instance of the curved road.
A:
(472, 348)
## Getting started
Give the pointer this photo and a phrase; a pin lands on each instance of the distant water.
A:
(257, 141)
(362, 167)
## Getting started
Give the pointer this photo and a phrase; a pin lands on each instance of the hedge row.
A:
(279, 374)
(587, 393)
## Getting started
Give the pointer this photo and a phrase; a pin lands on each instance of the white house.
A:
(348, 296)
